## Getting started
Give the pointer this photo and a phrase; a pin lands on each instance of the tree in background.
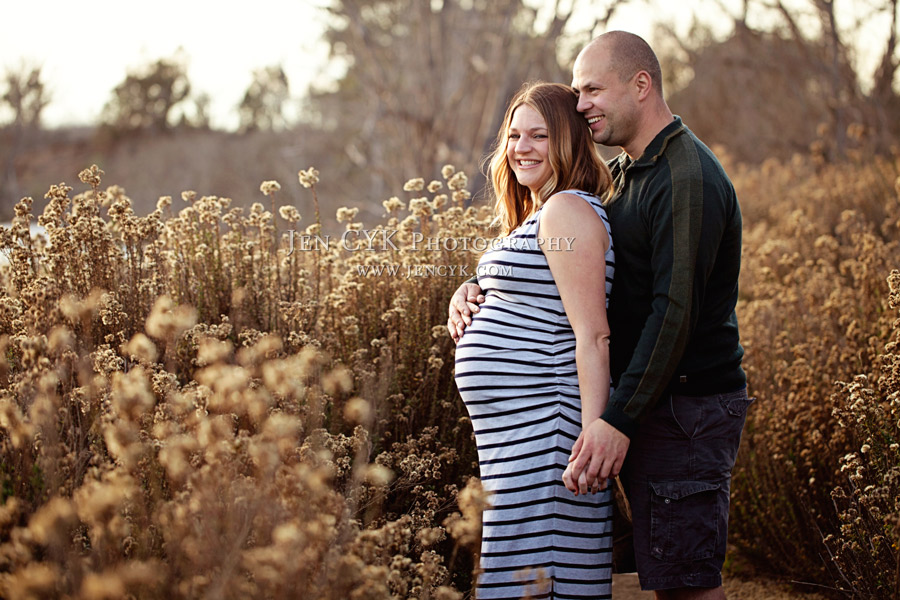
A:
(200, 118)
(787, 79)
(26, 97)
(426, 83)
(262, 107)
(146, 99)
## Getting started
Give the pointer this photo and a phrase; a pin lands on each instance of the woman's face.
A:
(528, 148)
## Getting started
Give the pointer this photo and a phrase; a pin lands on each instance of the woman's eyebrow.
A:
(530, 129)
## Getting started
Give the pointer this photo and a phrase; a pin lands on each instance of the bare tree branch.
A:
(427, 84)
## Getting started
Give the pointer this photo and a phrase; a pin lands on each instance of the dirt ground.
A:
(626, 587)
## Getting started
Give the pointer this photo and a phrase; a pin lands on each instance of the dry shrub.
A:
(189, 409)
(866, 551)
(819, 241)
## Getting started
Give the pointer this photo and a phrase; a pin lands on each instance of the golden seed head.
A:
(309, 177)
(393, 204)
(289, 214)
(358, 411)
(141, 348)
(269, 187)
(91, 176)
(346, 214)
(416, 184)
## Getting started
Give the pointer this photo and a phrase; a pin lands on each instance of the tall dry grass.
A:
(189, 409)
(818, 479)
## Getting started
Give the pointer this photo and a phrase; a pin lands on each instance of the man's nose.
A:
(583, 105)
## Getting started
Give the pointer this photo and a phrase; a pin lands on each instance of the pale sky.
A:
(86, 47)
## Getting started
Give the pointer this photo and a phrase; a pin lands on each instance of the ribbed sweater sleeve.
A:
(674, 214)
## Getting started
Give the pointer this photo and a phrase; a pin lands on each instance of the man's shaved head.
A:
(627, 54)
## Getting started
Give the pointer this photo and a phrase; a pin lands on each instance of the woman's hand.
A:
(579, 484)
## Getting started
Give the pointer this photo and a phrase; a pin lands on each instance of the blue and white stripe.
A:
(516, 373)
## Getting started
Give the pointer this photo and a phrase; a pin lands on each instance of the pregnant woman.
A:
(533, 366)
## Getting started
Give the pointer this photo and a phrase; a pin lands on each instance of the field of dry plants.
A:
(197, 404)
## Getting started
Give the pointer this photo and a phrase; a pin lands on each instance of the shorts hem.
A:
(688, 580)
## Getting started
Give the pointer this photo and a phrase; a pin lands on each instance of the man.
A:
(673, 423)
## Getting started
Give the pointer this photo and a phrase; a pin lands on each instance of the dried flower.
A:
(458, 181)
(167, 320)
(416, 184)
(346, 214)
(141, 348)
(309, 177)
(289, 214)
(269, 187)
(393, 204)
(91, 176)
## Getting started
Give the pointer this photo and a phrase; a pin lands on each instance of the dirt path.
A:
(626, 587)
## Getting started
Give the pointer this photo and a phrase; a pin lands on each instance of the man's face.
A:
(608, 104)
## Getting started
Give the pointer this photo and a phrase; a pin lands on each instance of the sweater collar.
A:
(656, 147)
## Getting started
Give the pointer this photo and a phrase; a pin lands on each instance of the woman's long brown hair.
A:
(574, 160)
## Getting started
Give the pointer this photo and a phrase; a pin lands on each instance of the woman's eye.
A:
(514, 136)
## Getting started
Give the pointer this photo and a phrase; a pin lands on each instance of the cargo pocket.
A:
(684, 520)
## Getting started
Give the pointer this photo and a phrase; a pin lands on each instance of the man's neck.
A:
(648, 128)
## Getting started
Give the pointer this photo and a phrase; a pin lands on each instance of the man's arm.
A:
(675, 215)
(463, 303)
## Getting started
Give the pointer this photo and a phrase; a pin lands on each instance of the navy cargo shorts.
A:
(677, 478)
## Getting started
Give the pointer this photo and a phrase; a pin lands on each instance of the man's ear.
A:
(643, 84)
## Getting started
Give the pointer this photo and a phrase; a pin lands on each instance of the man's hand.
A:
(579, 484)
(464, 302)
(597, 455)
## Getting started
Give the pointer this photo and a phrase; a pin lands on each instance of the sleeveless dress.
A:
(516, 374)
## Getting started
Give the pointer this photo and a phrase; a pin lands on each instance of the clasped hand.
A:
(597, 455)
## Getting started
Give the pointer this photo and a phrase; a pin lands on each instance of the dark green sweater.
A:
(676, 229)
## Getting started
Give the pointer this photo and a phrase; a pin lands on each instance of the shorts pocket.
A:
(684, 520)
(736, 403)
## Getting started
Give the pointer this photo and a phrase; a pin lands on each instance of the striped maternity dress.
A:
(516, 373)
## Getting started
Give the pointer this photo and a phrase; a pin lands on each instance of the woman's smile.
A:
(528, 147)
